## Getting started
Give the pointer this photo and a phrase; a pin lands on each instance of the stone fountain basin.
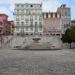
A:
(36, 40)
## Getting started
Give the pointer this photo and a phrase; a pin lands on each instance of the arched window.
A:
(0, 23)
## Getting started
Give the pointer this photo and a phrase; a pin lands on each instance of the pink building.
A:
(3, 19)
(6, 27)
(52, 23)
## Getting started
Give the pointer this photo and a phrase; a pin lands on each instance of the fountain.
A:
(36, 39)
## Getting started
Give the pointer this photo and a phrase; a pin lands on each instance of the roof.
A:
(73, 21)
(28, 3)
(2, 14)
(51, 14)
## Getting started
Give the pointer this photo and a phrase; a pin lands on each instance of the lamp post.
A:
(1, 42)
(22, 29)
(1, 34)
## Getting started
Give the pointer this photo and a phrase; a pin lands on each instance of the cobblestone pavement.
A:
(20, 62)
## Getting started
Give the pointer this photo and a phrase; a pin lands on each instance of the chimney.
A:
(63, 5)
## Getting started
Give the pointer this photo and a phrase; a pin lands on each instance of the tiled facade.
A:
(28, 18)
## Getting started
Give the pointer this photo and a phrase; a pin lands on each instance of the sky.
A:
(7, 6)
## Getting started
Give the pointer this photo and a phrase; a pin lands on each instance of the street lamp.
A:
(22, 29)
(1, 34)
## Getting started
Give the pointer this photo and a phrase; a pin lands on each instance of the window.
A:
(26, 28)
(65, 13)
(31, 18)
(40, 5)
(22, 17)
(66, 25)
(40, 18)
(58, 15)
(22, 5)
(22, 11)
(49, 16)
(17, 5)
(0, 29)
(54, 15)
(36, 28)
(17, 18)
(31, 26)
(40, 26)
(34, 11)
(17, 28)
(31, 5)
(35, 23)
(17, 11)
(27, 11)
(35, 17)
(44, 16)
(26, 22)
(26, 5)
(17, 23)
(22, 23)
(0, 23)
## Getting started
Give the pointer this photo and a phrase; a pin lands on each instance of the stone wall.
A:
(51, 41)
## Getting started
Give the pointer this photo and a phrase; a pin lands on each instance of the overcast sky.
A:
(7, 6)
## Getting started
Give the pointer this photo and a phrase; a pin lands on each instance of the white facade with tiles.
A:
(28, 18)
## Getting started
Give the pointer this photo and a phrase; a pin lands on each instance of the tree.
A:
(72, 34)
(69, 35)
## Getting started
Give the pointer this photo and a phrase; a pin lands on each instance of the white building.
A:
(28, 18)
(65, 16)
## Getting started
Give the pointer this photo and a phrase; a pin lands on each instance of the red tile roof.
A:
(73, 21)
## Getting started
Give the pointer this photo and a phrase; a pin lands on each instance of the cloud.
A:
(6, 10)
(4, 2)
(48, 5)
(25, 1)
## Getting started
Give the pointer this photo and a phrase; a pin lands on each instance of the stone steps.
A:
(39, 46)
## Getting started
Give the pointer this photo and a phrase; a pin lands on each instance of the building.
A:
(65, 16)
(3, 18)
(72, 22)
(57, 22)
(5, 25)
(52, 23)
(11, 27)
(28, 18)
(1, 27)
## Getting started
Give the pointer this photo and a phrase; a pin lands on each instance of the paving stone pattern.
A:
(20, 62)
